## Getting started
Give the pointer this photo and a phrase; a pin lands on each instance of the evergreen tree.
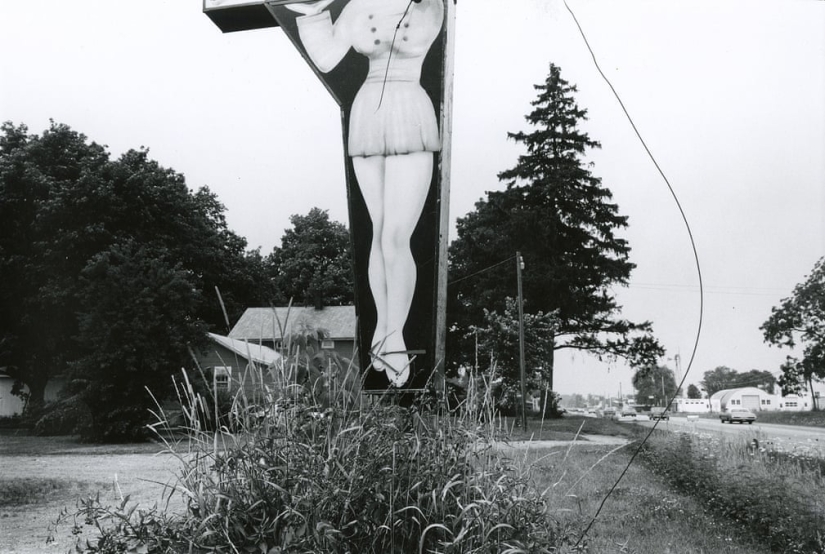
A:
(562, 220)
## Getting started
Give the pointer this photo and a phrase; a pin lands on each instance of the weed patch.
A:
(775, 499)
(290, 474)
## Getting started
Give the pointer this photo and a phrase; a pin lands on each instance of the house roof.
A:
(256, 353)
(257, 324)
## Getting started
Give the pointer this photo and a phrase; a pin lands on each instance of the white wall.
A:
(10, 405)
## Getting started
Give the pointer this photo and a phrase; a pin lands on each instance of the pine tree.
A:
(563, 221)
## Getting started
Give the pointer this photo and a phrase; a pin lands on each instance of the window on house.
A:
(221, 376)
(328, 344)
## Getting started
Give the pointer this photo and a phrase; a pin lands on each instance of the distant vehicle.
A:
(737, 414)
(659, 413)
(626, 415)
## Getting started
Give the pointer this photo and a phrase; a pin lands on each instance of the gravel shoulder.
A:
(140, 471)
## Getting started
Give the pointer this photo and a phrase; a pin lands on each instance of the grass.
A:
(777, 497)
(26, 490)
(642, 516)
(804, 419)
(567, 428)
(645, 515)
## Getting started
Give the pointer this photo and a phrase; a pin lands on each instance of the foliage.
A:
(656, 381)
(292, 475)
(765, 491)
(66, 416)
(498, 340)
(109, 268)
(693, 392)
(313, 264)
(723, 377)
(800, 319)
(561, 218)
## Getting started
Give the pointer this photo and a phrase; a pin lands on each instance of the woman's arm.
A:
(326, 43)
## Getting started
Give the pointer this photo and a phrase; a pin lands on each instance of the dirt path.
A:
(75, 472)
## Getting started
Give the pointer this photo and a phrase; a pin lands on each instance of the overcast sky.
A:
(729, 96)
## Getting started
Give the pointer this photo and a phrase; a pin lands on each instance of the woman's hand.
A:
(309, 8)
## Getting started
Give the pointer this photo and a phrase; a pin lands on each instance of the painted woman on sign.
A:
(392, 139)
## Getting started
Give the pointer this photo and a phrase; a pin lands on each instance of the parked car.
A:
(659, 413)
(737, 414)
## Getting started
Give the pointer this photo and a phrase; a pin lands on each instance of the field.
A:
(644, 514)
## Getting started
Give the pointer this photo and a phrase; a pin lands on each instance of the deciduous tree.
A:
(313, 264)
(656, 381)
(800, 320)
(66, 209)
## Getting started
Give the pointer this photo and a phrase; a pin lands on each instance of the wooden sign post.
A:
(389, 66)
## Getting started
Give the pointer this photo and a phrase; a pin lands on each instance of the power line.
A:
(488, 268)
(696, 261)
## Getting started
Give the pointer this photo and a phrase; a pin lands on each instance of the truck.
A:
(658, 412)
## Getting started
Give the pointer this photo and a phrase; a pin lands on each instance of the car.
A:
(625, 415)
(659, 413)
(737, 414)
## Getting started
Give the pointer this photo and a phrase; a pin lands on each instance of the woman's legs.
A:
(395, 189)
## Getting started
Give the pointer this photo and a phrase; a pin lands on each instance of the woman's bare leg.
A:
(407, 182)
(370, 174)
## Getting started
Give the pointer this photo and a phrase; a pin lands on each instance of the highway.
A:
(789, 438)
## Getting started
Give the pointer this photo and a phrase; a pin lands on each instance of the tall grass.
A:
(309, 465)
(776, 496)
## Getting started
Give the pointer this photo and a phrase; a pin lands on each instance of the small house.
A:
(235, 364)
(271, 327)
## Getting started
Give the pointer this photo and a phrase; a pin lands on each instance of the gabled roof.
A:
(257, 324)
(255, 353)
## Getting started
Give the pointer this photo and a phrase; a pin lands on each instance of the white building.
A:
(10, 405)
(749, 398)
(755, 400)
(692, 405)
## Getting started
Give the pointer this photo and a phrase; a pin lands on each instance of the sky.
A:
(729, 96)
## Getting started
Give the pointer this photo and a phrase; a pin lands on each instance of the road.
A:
(789, 438)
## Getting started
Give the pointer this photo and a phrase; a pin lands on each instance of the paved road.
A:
(786, 437)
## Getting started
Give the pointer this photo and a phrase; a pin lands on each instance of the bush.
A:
(67, 416)
(294, 475)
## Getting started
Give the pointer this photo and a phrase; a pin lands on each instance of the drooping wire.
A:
(698, 272)
(389, 57)
(488, 268)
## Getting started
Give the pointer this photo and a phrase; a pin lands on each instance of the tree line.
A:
(110, 267)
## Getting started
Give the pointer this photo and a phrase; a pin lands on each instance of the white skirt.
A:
(404, 123)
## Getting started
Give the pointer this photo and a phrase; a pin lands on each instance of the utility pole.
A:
(519, 267)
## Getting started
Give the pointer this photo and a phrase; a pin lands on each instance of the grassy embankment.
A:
(685, 495)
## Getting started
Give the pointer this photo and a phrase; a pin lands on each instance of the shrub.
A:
(67, 416)
(292, 474)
